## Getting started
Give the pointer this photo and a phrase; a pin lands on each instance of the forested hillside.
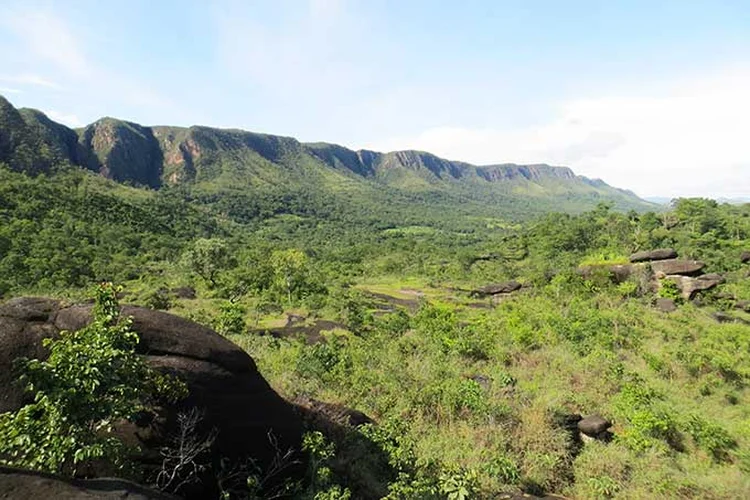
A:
(242, 165)
(441, 333)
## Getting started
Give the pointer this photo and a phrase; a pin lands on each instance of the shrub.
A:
(710, 437)
(159, 299)
(324, 359)
(231, 320)
(91, 378)
(459, 484)
(670, 290)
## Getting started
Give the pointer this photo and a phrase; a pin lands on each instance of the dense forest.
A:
(470, 341)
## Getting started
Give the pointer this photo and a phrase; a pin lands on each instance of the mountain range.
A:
(228, 160)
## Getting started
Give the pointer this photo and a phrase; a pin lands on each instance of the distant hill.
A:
(223, 160)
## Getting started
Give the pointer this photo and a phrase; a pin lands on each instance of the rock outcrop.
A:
(650, 255)
(222, 379)
(17, 483)
(689, 286)
(496, 289)
(745, 257)
(677, 267)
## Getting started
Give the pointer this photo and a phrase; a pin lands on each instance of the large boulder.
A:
(223, 381)
(677, 266)
(690, 286)
(658, 254)
(17, 483)
(496, 289)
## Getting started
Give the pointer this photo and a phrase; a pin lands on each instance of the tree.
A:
(289, 271)
(207, 258)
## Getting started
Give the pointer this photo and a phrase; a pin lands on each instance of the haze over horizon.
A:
(651, 98)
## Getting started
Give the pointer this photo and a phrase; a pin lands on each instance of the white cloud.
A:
(70, 120)
(26, 79)
(686, 137)
(8, 90)
(48, 37)
(306, 54)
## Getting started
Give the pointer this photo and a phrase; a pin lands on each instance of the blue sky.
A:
(647, 95)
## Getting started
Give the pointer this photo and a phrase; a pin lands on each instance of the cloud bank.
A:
(681, 138)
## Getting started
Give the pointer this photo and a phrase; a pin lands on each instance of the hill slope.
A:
(215, 160)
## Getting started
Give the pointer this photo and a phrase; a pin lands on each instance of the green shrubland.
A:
(469, 395)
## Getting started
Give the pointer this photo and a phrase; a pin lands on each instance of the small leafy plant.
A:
(91, 379)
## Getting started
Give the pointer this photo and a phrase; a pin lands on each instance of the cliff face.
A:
(123, 151)
(163, 155)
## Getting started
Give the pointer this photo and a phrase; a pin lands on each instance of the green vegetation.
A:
(471, 396)
(91, 379)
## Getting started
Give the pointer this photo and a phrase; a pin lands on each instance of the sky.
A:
(652, 96)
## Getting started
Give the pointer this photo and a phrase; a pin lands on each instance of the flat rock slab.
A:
(678, 266)
(657, 254)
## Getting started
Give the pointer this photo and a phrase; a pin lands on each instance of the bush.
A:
(91, 378)
(231, 320)
(710, 437)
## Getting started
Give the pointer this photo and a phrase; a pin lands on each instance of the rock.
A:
(618, 273)
(743, 305)
(666, 305)
(689, 286)
(184, 292)
(483, 380)
(496, 288)
(658, 254)
(723, 317)
(594, 425)
(222, 379)
(18, 483)
(745, 257)
(677, 266)
(334, 412)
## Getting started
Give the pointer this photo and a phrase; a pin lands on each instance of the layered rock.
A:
(677, 267)
(651, 255)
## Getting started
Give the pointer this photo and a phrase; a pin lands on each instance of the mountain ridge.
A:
(214, 158)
